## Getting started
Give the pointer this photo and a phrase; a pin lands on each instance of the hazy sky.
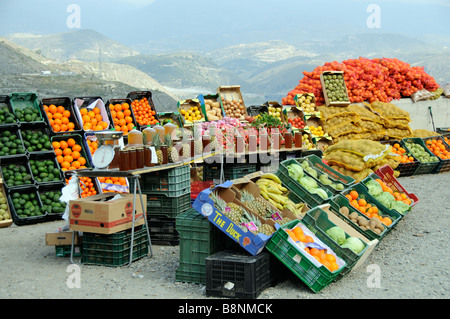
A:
(139, 21)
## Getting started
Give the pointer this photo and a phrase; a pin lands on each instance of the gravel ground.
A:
(413, 261)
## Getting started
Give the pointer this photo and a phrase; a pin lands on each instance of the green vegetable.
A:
(355, 244)
(320, 192)
(386, 199)
(400, 206)
(374, 187)
(308, 182)
(295, 171)
(337, 234)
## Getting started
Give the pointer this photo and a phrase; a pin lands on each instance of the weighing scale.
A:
(104, 155)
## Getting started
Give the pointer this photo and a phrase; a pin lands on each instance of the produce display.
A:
(335, 89)
(4, 213)
(6, 116)
(93, 119)
(306, 243)
(27, 204)
(378, 79)
(306, 102)
(308, 182)
(10, 143)
(87, 186)
(213, 110)
(322, 177)
(192, 114)
(36, 140)
(405, 157)
(298, 123)
(122, 181)
(438, 147)
(385, 195)
(69, 154)
(45, 170)
(122, 117)
(370, 210)
(316, 131)
(144, 112)
(59, 118)
(16, 175)
(419, 152)
(92, 145)
(234, 108)
(51, 203)
(276, 194)
(28, 114)
(276, 112)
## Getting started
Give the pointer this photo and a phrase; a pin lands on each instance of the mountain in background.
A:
(84, 45)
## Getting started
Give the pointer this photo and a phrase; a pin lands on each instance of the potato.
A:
(207, 107)
(362, 221)
(215, 105)
(377, 230)
(344, 211)
(353, 215)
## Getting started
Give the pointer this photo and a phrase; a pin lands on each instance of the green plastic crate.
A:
(311, 199)
(24, 100)
(172, 182)
(336, 176)
(114, 249)
(168, 206)
(339, 201)
(404, 169)
(198, 240)
(65, 250)
(383, 210)
(296, 260)
(317, 221)
(332, 190)
(423, 168)
(444, 164)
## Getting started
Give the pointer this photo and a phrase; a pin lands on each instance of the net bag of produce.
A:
(357, 176)
(390, 111)
(343, 129)
(422, 133)
(363, 148)
(366, 113)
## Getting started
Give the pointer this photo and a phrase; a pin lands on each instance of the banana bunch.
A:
(276, 194)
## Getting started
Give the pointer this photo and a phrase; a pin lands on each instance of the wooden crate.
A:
(328, 101)
(231, 93)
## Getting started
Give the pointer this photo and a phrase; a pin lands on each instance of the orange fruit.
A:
(362, 202)
(76, 155)
(52, 109)
(117, 107)
(60, 109)
(65, 165)
(76, 164)
(96, 110)
(71, 142)
(82, 161)
(64, 120)
(58, 151)
(56, 144)
(60, 159)
(68, 159)
(67, 151)
(66, 113)
(98, 117)
(56, 128)
(76, 148)
(63, 145)
(354, 194)
(70, 125)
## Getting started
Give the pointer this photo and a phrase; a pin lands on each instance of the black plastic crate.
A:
(5, 103)
(138, 95)
(10, 140)
(23, 216)
(120, 101)
(212, 172)
(404, 169)
(65, 102)
(168, 206)
(114, 249)
(42, 171)
(444, 164)
(163, 230)
(54, 207)
(8, 167)
(237, 275)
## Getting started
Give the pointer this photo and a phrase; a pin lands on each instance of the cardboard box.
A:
(252, 243)
(62, 238)
(328, 101)
(99, 214)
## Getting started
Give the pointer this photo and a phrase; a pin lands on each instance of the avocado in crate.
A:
(16, 172)
(26, 207)
(36, 138)
(7, 117)
(26, 108)
(45, 169)
(11, 142)
(50, 199)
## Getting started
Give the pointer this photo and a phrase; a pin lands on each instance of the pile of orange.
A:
(438, 148)
(112, 180)
(93, 119)
(400, 151)
(143, 112)
(86, 185)
(93, 146)
(59, 118)
(366, 208)
(121, 115)
(68, 154)
(328, 260)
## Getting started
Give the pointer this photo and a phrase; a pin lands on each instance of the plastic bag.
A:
(421, 95)
(446, 90)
